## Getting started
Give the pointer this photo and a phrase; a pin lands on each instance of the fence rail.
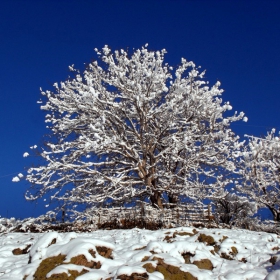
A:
(180, 215)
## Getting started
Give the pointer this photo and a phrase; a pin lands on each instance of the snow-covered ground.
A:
(185, 253)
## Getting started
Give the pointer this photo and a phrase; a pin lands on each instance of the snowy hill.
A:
(178, 253)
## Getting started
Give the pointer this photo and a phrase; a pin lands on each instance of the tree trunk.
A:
(173, 200)
(275, 213)
(156, 195)
(278, 217)
(156, 200)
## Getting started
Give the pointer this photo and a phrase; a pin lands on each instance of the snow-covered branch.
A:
(134, 128)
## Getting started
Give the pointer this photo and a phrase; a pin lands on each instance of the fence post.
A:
(161, 218)
(134, 216)
(63, 215)
(142, 213)
(178, 216)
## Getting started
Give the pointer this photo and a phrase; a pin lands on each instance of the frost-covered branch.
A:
(261, 171)
(131, 127)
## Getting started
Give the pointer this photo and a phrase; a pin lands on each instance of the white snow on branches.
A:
(131, 127)
(15, 179)
(260, 167)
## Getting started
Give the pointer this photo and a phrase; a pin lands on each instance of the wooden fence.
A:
(183, 215)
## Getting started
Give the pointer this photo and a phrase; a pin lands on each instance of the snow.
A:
(275, 275)
(16, 179)
(131, 249)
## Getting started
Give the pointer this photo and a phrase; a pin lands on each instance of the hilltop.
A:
(177, 253)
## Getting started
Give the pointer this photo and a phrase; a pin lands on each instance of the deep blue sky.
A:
(238, 42)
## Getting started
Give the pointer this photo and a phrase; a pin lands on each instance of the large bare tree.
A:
(131, 127)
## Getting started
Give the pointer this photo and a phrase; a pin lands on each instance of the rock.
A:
(19, 251)
(133, 276)
(207, 239)
(82, 260)
(104, 252)
(204, 264)
(169, 272)
(187, 257)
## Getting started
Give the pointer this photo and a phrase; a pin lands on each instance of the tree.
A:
(231, 208)
(131, 127)
(261, 172)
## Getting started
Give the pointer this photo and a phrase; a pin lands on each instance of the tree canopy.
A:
(131, 127)
(260, 165)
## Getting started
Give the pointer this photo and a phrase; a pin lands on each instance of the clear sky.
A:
(237, 41)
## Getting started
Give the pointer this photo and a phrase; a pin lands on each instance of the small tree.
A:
(261, 172)
(231, 208)
(131, 127)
